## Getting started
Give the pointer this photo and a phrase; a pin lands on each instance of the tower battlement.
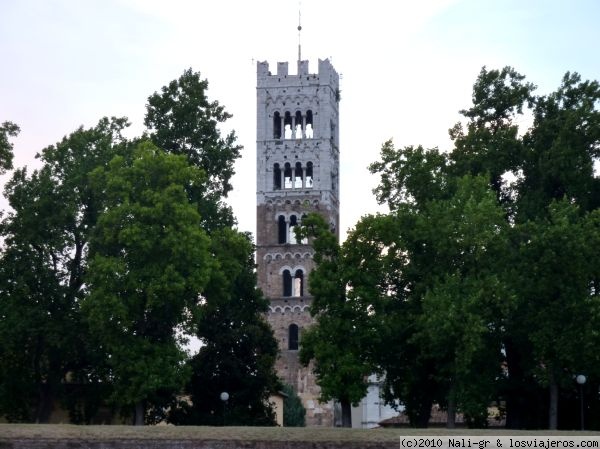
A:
(326, 75)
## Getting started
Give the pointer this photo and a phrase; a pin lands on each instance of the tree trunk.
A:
(516, 401)
(45, 385)
(422, 414)
(346, 413)
(451, 421)
(45, 404)
(553, 411)
(139, 414)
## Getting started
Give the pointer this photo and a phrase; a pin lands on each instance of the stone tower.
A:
(297, 143)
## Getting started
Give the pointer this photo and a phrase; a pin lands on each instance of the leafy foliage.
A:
(337, 341)
(7, 129)
(41, 277)
(294, 413)
(553, 167)
(450, 301)
(182, 120)
(239, 350)
(490, 144)
(114, 254)
(149, 262)
(481, 272)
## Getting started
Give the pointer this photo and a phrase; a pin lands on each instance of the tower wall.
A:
(297, 173)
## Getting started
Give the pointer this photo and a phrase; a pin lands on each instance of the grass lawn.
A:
(96, 433)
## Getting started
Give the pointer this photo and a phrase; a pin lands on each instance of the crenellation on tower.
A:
(297, 174)
(262, 69)
(302, 68)
(282, 69)
(326, 75)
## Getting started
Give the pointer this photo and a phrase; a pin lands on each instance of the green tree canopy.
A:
(239, 350)
(149, 262)
(550, 163)
(182, 120)
(294, 413)
(7, 129)
(481, 272)
(141, 236)
(340, 342)
(46, 237)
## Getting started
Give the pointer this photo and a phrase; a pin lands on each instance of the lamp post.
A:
(581, 381)
(224, 398)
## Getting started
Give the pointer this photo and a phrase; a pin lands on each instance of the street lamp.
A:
(581, 381)
(224, 398)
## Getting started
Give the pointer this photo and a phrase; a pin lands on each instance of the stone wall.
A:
(295, 311)
(185, 444)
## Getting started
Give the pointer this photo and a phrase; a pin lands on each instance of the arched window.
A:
(276, 177)
(309, 131)
(287, 176)
(299, 283)
(292, 232)
(281, 228)
(293, 337)
(287, 283)
(309, 175)
(277, 125)
(287, 125)
(298, 128)
(298, 175)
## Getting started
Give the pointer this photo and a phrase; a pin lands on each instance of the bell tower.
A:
(297, 153)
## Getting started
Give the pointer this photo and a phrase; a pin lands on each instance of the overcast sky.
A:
(407, 66)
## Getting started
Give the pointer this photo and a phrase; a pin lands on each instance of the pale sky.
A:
(407, 66)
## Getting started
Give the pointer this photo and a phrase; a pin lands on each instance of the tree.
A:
(552, 162)
(239, 350)
(467, 302)
(336, 342)
(419, 280)
(361, 292)
(445, 300)
(463, 276)
(556, 265)
(57, 210)
(182, 120)
(560, 150)
(490, 144)
(41, 277)
(409, 178)
(7, 129)
(149, 263)
(294, 413)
